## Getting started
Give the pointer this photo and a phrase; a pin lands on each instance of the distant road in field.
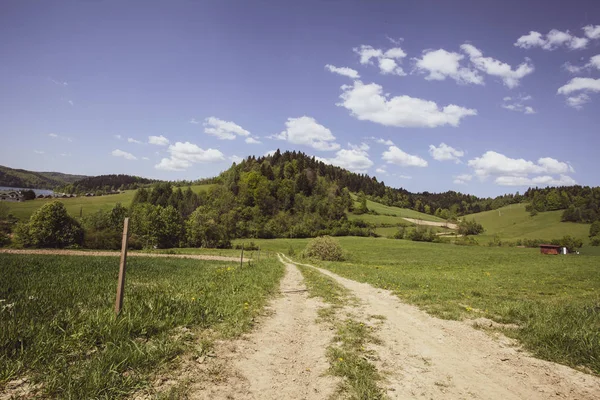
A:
(117, 254)
(448, 225)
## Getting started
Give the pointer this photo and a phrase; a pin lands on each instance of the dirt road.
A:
(448, 225)
(429, 358)
(117, 254)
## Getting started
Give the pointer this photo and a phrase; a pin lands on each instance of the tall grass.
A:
(59, 328)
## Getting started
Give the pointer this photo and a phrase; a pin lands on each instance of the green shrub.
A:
(324, 248)
(595, 229)
(569, 242)
(49, 226)
(595, 241)
(470, 228)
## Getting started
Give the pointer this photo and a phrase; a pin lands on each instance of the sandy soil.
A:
(448, 225)
(429, 358)
(117, 254)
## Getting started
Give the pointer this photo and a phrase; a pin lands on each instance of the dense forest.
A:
(105, 183)
(39, 180)
(581, 203)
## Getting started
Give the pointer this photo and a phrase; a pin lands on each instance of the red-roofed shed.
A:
(549, 249)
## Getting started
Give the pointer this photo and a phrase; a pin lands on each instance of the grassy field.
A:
(554, 299)
(390, 215)
(59, 328)
(85, 205)
(513, 222)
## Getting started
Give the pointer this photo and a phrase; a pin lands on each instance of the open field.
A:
(86, 205)
(59, 328)
(390, 215)
(555, 300)
(513, 222)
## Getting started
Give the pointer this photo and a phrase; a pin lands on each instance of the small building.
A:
(550, 249)
(11, 195)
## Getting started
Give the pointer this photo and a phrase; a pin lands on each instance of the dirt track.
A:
(430, 358)
(117, 254)
(448, 225)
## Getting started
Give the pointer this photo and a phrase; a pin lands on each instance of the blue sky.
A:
(427, 95)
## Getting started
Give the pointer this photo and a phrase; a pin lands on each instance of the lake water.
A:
(45, 192)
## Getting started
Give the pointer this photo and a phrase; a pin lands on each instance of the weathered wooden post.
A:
(122, 266)
(242, 257)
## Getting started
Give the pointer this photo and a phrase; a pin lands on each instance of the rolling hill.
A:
(31, 179)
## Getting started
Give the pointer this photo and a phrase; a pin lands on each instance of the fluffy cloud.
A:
(395, 155)
(555, 39)
(158, 140)
(124, 154)
(517, 104)
(387, 61)
(118, 137)
(251, 140)
(132, 140)
(183, 155)
(445, 153)
(38, 151)
(462, 179)
(492, 163)
(381, 170)
(441, 64)
(194, 121)
(355, 159)
(344, 71)
(592, 31)
(593, 63)
(53, 135)
(236, 159)
(583, 85)
(225, 130)
(511, 77)
(308, 132)
(367, 102)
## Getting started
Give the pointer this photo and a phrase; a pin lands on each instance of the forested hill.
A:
(30, 179)
(106, 183)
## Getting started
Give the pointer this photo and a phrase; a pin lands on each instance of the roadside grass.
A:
(555, 300)
(59, 328)
(348, 356)
(85, 205)
(513, 222)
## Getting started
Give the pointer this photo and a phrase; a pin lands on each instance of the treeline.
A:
(105, 183)
(581, 203)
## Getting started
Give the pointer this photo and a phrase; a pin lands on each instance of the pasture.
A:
(389, 215)
(554, 300)
(59, 328)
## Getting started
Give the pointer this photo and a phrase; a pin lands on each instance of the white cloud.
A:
(194, 121)
(308, 132)
(381, 170)
(70, 102)
(355, 159)
(462, 179)
(145, 158)
(441, 64)
(61, 83)
(225, 130)
(593, 63)
(445, 153)
(517, 104)
(578, 101)
(493, 163)
(383, 141)
(53, 135)
(403, 176)
(132, 140)
(344, 71)
(592, 31)
(546, 180)
(183, 155)
(251, 140)
(38, 152)
(65, 154)
(552, 40)
(394, 155)
(158, 140)
(270, 153)
(118, 137)
(511, 77)
(368, 103)
(236, 159)
(124, 154)
(387, 61)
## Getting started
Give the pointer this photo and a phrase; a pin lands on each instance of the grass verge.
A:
(59, 328)
(348, 356)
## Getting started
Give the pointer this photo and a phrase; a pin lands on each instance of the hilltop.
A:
(31, 179)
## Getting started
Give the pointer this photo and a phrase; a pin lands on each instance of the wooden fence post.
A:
(122, 266)
(242, 257)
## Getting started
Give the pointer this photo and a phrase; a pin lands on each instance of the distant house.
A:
(10, 195)
(41, 196)
(550, 249)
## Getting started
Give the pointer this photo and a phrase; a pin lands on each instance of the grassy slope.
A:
(40, 180)
(513, 222)
(23, 210)
(396, 219)
(61, 329)
(554, 299)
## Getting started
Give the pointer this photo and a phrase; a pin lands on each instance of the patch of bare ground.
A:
(20, 388)
(448, 225)
(424, 357)
(117, 254)
(283, 358)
